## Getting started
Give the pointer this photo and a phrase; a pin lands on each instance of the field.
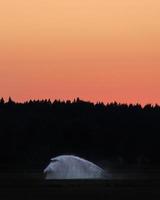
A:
(125, 186)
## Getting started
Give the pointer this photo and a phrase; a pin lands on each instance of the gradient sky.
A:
(98, 50)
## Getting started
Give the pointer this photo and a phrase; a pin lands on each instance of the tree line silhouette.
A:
(33, 132)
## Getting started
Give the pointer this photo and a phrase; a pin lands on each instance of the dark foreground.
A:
(33, 187)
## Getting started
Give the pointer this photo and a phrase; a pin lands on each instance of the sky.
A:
(98, 50)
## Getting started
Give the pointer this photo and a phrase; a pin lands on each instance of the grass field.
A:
(34, 187)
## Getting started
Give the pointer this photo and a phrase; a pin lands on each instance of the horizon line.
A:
(10, 99)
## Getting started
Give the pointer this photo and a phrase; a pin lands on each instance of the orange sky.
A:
(97, 50)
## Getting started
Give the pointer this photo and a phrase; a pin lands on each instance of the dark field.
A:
(127, 185)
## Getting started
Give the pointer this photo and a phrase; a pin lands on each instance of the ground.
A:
(32, 186)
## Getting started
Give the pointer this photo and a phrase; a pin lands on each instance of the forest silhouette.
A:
(33, 132)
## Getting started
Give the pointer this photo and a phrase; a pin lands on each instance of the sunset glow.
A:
(97, 50)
